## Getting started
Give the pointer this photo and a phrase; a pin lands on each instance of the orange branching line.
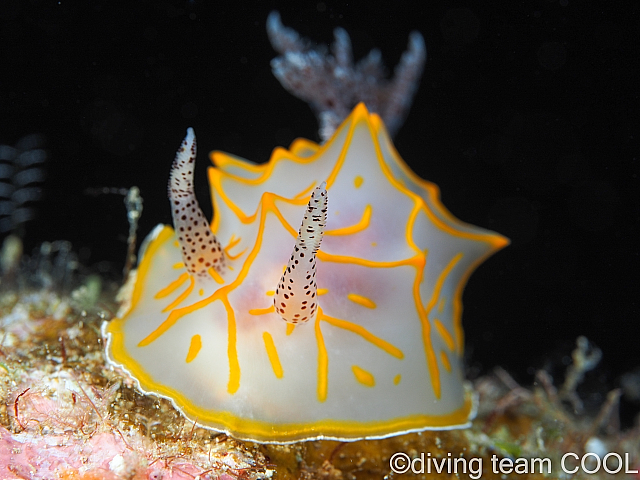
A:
(173, 286)
(363, 262)
(362, 224)
(262, 311)
(272, 353)
(176, 314)
(232, 348)
(430, 356)
(215, 275)
(323, 361)
(343, 154)
(364, 333)
(181, 297)
(233, 241)
(440, 281)
(445, 334)
(235, 257)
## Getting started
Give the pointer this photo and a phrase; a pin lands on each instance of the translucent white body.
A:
(382, 356)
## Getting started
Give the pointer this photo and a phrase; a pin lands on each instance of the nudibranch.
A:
(323, 300)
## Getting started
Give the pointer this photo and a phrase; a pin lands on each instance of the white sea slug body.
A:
(380, 349)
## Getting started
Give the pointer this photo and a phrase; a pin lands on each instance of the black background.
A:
(526, 117)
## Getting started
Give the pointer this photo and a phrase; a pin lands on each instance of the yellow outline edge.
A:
(264, 432)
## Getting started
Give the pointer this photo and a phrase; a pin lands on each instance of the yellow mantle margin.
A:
(263, 432)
